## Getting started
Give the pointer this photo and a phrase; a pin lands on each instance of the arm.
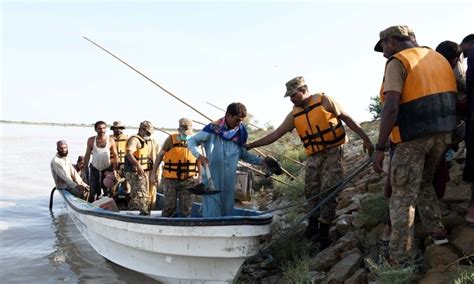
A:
(158, 159)
(76, 177)
(367, 146)
(387, 122)
(193, 143)
(250, 158)
(59, 170)
(286, 126)
(113, 150)
(131, 147)
(87, 156)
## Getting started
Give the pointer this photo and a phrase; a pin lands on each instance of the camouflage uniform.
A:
(139, 193)
(323, 170)
(412, 169)
(173, 189)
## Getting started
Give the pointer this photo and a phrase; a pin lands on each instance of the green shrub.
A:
(375, 107)
(464, 276)
(289, 248)
(373, 209)
(297, 271)
(388, 274)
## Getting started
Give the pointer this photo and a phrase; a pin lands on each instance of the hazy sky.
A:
(202, 52)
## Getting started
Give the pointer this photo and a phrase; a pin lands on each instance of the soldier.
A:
(179, 170)
(120, 141)
(318, 121)
(467, 45)
(138, 163)
(419, 113)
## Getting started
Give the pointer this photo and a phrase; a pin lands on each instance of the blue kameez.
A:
(223, 156)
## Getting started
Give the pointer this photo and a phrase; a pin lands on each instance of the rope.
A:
(331, 193)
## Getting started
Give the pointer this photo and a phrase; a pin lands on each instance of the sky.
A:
(202, 52)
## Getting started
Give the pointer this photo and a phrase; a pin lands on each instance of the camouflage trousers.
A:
(412, 168)
(173, 190)
(139, 192)
(323, 170)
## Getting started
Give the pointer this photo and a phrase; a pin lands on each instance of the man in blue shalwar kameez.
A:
(223, 141)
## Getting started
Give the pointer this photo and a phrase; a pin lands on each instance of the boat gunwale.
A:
(255, 220)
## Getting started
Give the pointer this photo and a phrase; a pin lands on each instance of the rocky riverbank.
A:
(361, 213)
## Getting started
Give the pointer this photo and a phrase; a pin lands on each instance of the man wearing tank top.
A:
(100, 147)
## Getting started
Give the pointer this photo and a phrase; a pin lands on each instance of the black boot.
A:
(324, 240)
(312, 228)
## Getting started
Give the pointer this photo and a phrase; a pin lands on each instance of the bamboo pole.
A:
(156, 84)
(146, 77)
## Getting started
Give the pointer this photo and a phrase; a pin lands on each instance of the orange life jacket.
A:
(318, 128)
(428, 99)
(179, 162)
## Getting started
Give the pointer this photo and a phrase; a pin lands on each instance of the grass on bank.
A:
(373, 209)
(388, 274)
(297, 271)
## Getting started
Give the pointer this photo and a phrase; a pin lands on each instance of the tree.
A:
(375, 107)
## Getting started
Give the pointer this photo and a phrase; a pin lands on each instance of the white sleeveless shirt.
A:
(101, 156)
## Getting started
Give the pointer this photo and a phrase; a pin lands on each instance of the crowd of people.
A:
(427, 110)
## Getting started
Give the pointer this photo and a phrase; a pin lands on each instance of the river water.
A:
(38, 245)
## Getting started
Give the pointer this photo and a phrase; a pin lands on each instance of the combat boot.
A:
(324, 239)
(312, 228)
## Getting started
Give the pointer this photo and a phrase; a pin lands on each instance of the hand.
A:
(82, 188)
(140, 170)
(377, 163)
(368, 147)
(153, 178)
(202, 160)
(248, 146)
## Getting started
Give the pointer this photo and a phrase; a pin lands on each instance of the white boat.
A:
(172, 250)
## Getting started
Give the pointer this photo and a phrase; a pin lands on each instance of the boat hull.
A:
(172, 250)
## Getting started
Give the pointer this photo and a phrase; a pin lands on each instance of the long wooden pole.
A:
(156, 84)
(146, 77)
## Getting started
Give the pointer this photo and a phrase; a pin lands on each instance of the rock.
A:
(439, 256)
(457, 195)
(375, 187)
(452, 220)
(318, 277)
(352, 207)
(326, 259)
(356, 222)
(462, 237)
(348, 241)
(274, 279)
(434, 276)
(344, 198)
(346, 253)
(343, 223)
(460, 208)
(359, 277)
(344, 268)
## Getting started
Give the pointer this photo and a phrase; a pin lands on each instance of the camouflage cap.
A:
(293, 85)
(392, 31)
(186, 126)
(146, 125)
(117, 124)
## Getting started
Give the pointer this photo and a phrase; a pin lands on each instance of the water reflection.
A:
(72, 252)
